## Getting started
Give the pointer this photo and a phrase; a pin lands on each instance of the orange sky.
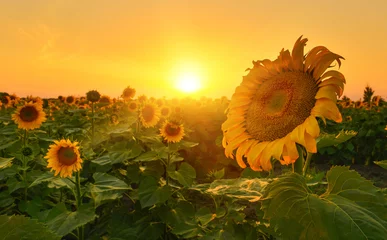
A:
(62, 47)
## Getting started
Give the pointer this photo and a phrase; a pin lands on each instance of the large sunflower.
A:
(277, 103)
(172, 131)
(29, 116)
(64, 158)
(149, 114)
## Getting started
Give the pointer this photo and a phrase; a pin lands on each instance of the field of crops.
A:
(143, 168)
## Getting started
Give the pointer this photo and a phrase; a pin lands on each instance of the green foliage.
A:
(21, 227)
(351, 208)
(383, 163)
(62, 222)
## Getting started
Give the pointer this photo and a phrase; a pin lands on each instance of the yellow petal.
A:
(297, 135)
(311, 126)
(328, 91)
(242, 150)
(338, 83)
(310, 143)
(286, 61)
(290, 153)
(326, 108)
(333, 73)
(298, 54)
(254, 154)
(322, 64)
(311, 57)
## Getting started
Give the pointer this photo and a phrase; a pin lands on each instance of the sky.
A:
(68, 47)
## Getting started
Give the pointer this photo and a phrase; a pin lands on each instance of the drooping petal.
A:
(310, 143)
(328, 91)
(326, 108)
(311, 126)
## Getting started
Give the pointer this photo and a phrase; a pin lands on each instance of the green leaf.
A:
(102, 160)
(54, 181)
(250, 173)
(124, 150)
(239, 189)
(106, 187)
(5, 162)
(185, 175)
(62, 221)
(219, 174)
(151, 193)
(147, 157)
(21, 227)
(204, 215)
(344, 211)
(327, 140)
(382, 164)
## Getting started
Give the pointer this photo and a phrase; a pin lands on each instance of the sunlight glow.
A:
(188, 82)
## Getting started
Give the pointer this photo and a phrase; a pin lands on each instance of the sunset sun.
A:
(188, 82)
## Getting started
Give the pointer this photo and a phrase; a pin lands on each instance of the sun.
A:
(188, 82)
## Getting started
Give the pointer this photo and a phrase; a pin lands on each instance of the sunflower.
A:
(142, 98)
(165, 111)
(29, 116)
(105, 100)
(277, 103)
(128, 93)
(6, 101)
(133, 106)
(70, 100)
(33, 99)
(149, 114)
(172, 131)
(63, 157)
(93, 96)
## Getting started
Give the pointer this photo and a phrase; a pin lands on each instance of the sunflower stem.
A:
(299, 164)
(307, 163)
(92, 124)
(25, 163)
(78, 198)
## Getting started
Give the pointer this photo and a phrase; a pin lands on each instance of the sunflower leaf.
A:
(62, 221)
(327, 140)
(151, 193)
(351, 208)
(54, 181)
(106, 187)
(185, 175)
(5, 162)
(21, 227)
(382, 164)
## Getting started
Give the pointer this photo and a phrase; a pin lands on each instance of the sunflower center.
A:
(172, 129)
(29, 114)
(280, 104)
(132, 105)
(67, 156)
(148, 113)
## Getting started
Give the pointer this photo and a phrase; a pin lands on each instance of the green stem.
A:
(92, 124)
(25, 163)
(307, 163)
(78, 198)
(299, 164)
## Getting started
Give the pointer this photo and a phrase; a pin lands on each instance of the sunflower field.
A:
(273, 162)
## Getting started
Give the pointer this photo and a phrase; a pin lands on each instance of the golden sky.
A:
(62, 47)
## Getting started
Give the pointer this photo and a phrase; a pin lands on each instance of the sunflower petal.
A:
(242, 150)
(328, 91)
(333, 73)
(311, 126)
(326, 108)
(254, 154)
(298, 54)
(290, 153)
(310, 143)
